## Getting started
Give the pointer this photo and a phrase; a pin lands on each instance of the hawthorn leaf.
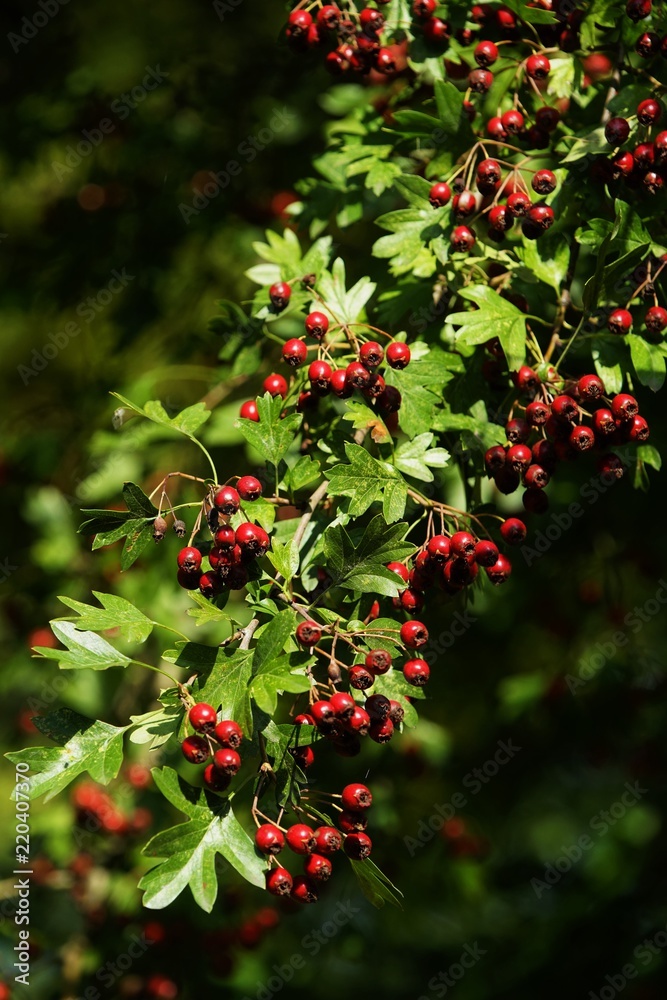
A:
(85, 650)
(347, 306)
(273, 637)
(416, 458)
(375, 885)
(83, 745)
(648, 362)
(279, 674)
(225, 680)
(207, 611)
(272, 435)
(116, 612)
(362, 567)
(137, 502)
(138, 539)
(495, 317)
(362, 417)
(367, 480)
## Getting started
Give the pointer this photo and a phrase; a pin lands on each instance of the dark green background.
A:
(504, 679)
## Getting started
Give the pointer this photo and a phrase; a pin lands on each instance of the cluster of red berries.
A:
(645, 165)
(217, 739)
(317, 846)
(452, 561)
(97, 811)
(558, 421)
(233, 550)
(620, 321)
(352, 39)
(466, 205)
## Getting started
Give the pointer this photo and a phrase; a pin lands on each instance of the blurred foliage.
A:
(465, 848)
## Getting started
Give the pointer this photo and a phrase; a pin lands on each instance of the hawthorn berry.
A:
(225, 538)
(438, 547)
(371, 20)
(316, 324)
(323, 713)
(227, 760)
(590, 387)
(189, 581)
(656, 319)
(537, 413)
(300, 19)
(519, 457)
(436, 30)
(398, 355)
(500, 218)
(203, 717)
(279, 882)
(304, 756)
(462, 239)
(410, 600)
(603, 422)
(378, 706)
(400, 570)
(513, 531)
(339, 384)
(359, 722)
(582, 438)
(304, 720)
(356, 796)
(464, 204)
(638, 10)
(649, 111)
(413, 634)
(547, 118)
(381, 731)
(328, 17)
(416, 672)
(276, 385)
(611, 465)
(512, 121)
(215, 780)
(319, 374)
(537, 67)
(500, 571)
(494, 460)
(269, 839)
(518, 203)
(249, 410)
(378, 661)
(462, 544)
(360, 678)
(541, 216)
(396, 712)
(252, 539)
(536, 476)
(294, 352)
(328, 840)
(424, 8)
(352, 822)
(495, 129)
(620, 321)
(371, 354)
(227, 500)
(189, 559)
(480, 80)
(644, 155)
(544, 181)
(318, 867)
(357, 846)
(342, 705)
(440, 194)
(280, 294)
(616, 131)
(624, 406)
(308, 633)
(228, 734)
(303, 890)
(301, 838)
(486, 553)
(564, 408)
(486, 54)
(195, 749)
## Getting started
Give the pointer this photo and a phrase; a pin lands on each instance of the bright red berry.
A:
(537, 413)
(279, 882)
(319, 374)
(400, 570)
(343, 705)
(294, 352)
(518, 203)
(603, 422)
(318, 867)
(358, 846)
(280, 294)
(249, 410)
(519, 457)
(371, 354)
(303, 890)
(590, 387)
(462, 545)
(620, 321)
(226, 760)
(225, 538)
(414, 634)
(195, 749)
(624, 406)
(500, 572)
(356, 796)
(378, 661)
(512, 121)
(565, 408)
(323, 714)
(269, 839)
(249, 488)
(252, 539)
(544, 181)
(440, 194)
(381, 731)
(486, 553)
(189, 559)
(229, 734)
(536, 476)
(301, 838)
(582, 438)
(486, 54)
(359, 722)
(513, 531)
(276, 385)
(398, 355)
(462, 239)
(438, 547)
(360, 678)
(328, 840)
(537, 67)
(203, 717)
(649, 111)
(227, 500)
(215, 780)
(656, 319)
(316, 324)
(424, 8)
(416, 672)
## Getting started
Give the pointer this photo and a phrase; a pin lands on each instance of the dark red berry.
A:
(203, 717)
(547, 118)
(500, 571)
(541, 216)
(360, 678)
(611, 465)
(378, 661)
(500, 218)
(253, 539)
(227, 500)
(656, 319)
(304, 756)
(649, 111)
(535, 500)
(513, 531)
(280, 294)
(603, 422)
(328, 840)
(565, 408)
(637, 10)
(269, 839)
(303, 890)
(462, 239)
(544, 182)
(536, 476)
(590, 387)
(480, 80)
(582, 438)
(486, 54)
(342, 705)
(616, 131)
(486, 553)
(517, 430)
(537, 413)
(352, 822)
(279, 882)
(316, 324)
(378, 706)
(537, 67)
(226, 760)
(624, 406)
(436, 30)
(519, 457)
(424, 8)
(189, 581)
(381, 731)
(215, 780)
(414, 634)
(494, 460)
(371, 354)
(358, 846)
(195, 749)
(308, 633)
(189, 559)
(518, 203)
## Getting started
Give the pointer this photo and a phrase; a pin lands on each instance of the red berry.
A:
(203, 717)
(541, 216)
(359, 722)
(229, 734)
(328, 17)
(304, 720)
(544, 182)
(227, 500)
(249, 488)
(252, 539)
(378, 706)
(590, 387)
(352, 822)
(303, 890)
(378, 661)
(269, 839)
(371, 354)
(300, 19)
(343, 705)
(294, 352)
(513, 531)
(535, 501)
(438, 547)
(620, 321)
(301, 838)
(603, 422)
(189, 581)
(225, 538)
(512, 122)
(356, 796)
(323, 714)
(517, 430)
(486, 553)
(279, 882)
(195, 749)
(519, 457)
(565, 408)
(637, 10)
(358, 846)
(381, 731)
(518, 203)
(215, 780)
(616, 131)
(495, 129)
(611, 465)
(536, 476)
(416, 672)
(371, 20)
(480, 80)
(398, 355)
(656, 319)
(537, 67)
(547, 118)
(304, 756)
(400, 570)
(319, 374)
(249, 410)
(189, 559)
(360, 678)
(411, 600)
(328, 840)
(462, 239)
(500, 218)
(436, 30)
(462, 544)
(318, 867)
(500, 572)
(537, 413)
(280, 294)
(276, 385)
(424, 8)
(316, 324)
(440, 194)
(582, 438)
(226, 760)
(649, 111)
(624, 406)
(486, 54)
(308, 633)
(414, 634)
(494, 460)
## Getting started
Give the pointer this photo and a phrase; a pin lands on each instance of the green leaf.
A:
(362, 417)
(548, 264)
(304, 472)
(647, 361)
(276, 675)
(650, 456)
(157, 727)
(84, 745)
(137, 502)
(186, 422)
(272, 435)
(189, 858)
(453, 120)
(587, 144)
(414, 457)
(496, 317)
(347, 306)
(226, 682)
(366, 481)
(115, 612)
(362, 567)
(138, 539)
(85, 650)
(285, 559)
(533, 15)
(273, 637)
(421, 387)
(375, 885)
(610, 362)
(206, 610)
(103, 521)
(415, 190)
